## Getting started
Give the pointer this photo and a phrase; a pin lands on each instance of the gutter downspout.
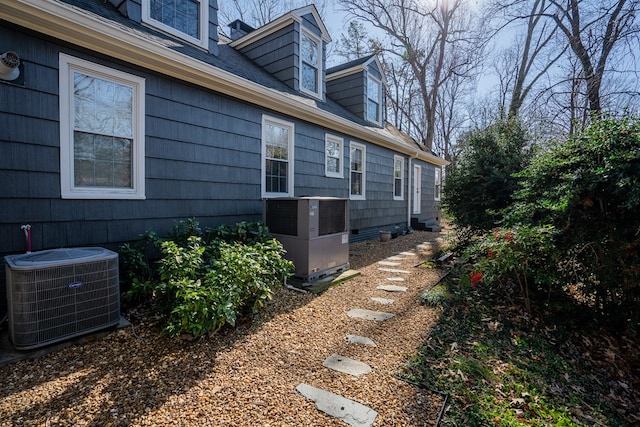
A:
(410, 193)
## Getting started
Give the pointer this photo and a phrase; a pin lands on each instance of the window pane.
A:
(277, 142)
(356, 183)
(397, 168)
(310, 63)
(309, 78)
(309, 51)
(373, 100)
(276, 176)
(183, 15)
(373, 89)
(356, 159)
(333, 149)
(102, 106)
(333, 156)
(397, 188)
(372, 111)
(333, 164)
(102, 161)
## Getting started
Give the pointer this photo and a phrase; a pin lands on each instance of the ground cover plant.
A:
(501, 366)
(198, 281)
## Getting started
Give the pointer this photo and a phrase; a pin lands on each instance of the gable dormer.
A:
(193, 21)
(292, 48)
(358, 85)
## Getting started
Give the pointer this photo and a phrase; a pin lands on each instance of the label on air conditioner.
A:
(345, 239)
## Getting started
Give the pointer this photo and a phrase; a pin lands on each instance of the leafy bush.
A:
(523, 256)
(198, 286)
(578, 206)
(482, 182)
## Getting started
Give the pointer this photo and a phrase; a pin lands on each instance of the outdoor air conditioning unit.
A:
(59, 294)
(313, 230)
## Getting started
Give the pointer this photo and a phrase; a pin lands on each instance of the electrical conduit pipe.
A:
(27, 234)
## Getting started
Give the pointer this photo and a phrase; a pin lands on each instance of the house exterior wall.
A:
(203, 160)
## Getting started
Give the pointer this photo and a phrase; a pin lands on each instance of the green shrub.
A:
(522, 255)
(482, 182)
(588, 189)
(197, 287)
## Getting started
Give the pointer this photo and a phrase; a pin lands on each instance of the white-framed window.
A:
(374, 100)
(398, 178)
(101, 132)
(277, 157)
(437, 188)
(357, 163)
(186, 19)
(310, 64)
(333, 149)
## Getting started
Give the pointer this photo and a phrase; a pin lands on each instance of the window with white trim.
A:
(101, 131)
(333, 156)
(398, 178)
(186, 19)
(277, 157)
(437, 184)
(310, 64)
(357, 162)
(374, 100)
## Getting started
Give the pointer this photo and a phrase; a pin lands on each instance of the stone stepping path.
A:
(351, 412)
(392, 288)
(385, 301)
(360, 313)
(394, 270)
(346, 365)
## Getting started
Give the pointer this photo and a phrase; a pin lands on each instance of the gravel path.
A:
(244, 376)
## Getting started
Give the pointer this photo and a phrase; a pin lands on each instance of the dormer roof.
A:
(296, 15)
(355, 66)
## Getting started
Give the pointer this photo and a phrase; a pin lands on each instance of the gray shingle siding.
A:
(349, 91)
(202, 153)
(274, 53)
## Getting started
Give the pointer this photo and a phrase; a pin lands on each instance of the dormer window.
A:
(310, 64)
(186, 19)
(374, 100)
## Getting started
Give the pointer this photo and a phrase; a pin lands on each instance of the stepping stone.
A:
(406, 253)
(395, 258)
(395, 279)
(346, 365)
(357, 339)
(389, 263)
(351, 412)
(392, 288)
(393, 270)
(361, 313)
(384, 301)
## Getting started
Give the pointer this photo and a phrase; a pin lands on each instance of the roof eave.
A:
(73, 25)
